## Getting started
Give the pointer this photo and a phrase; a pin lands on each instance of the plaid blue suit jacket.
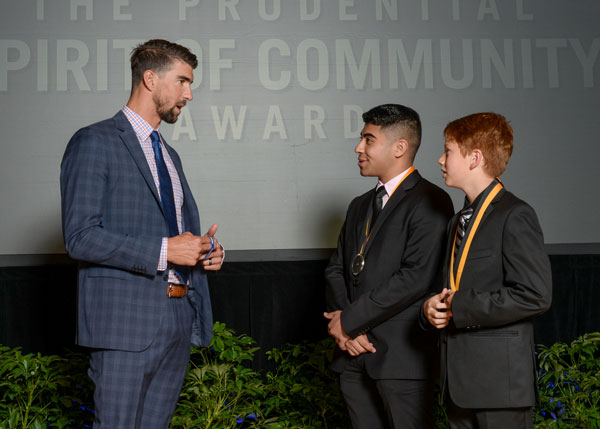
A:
(113, 225)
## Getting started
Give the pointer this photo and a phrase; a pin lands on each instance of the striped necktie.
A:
(461, 228)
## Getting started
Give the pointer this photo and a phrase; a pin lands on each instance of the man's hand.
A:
(187, 249)
(438, 308)
(354, 347)
(214, 261)
(336, 330)
(360, 345)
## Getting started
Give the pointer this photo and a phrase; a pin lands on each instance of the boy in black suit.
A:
(388, 259)
(497, 279)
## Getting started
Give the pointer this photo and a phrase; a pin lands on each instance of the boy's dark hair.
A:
(405, 119)
(490, 133)
(158, 55)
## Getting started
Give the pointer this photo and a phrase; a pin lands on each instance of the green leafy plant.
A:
(569, 384)
(219, 391)
(303, 391)
(36, 391)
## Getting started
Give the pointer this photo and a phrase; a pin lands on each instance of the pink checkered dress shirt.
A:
(143, 129)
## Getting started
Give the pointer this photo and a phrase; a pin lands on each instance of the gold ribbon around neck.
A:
(358, 262)
(367, 232)
(454, 284)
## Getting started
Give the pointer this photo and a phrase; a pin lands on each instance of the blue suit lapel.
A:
(131, 142)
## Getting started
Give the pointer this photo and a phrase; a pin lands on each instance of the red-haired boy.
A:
(497, 279)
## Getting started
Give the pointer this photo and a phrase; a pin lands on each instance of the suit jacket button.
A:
(166, 277)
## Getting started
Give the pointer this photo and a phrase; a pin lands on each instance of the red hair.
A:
(488, 132)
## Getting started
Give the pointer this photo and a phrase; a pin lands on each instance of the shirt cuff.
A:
(162, 261)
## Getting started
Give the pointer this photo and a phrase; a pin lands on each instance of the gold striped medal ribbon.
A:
(454, 284)
(358, 262)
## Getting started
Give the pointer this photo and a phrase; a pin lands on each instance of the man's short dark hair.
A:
(398, 116)
(158, 55)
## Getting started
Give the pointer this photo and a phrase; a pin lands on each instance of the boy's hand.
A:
(335, 328)
(438, 308)
(360, 345)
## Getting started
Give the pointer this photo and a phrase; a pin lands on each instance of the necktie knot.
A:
(378, 203)
(465, 216)
(463, 223)
(156, 143)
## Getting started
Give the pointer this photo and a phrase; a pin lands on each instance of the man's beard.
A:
(167, 115)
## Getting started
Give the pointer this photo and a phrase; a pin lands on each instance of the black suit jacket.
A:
(488, 358)
(403, 264)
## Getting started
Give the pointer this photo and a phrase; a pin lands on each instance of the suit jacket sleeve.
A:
(85, 184)
(417, 273)
(526, 290)
(442, 283)
(336, 293)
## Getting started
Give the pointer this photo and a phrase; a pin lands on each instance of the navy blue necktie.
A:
(167, 199)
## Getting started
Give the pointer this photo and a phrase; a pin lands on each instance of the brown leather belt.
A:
(177, 291)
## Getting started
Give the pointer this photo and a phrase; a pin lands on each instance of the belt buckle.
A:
(172, 293)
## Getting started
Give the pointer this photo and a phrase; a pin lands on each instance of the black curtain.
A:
(273, 302)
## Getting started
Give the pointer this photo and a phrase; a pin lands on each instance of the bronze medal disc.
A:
(358, 263)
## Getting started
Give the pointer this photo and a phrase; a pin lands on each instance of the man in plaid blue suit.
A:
(143, 296)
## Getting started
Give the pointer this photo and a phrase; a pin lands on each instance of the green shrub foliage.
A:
(221, 391)
(569, 384)
(303, 391)
(37, 390)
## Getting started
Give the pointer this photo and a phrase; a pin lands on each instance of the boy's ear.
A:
(400, 147)
(476, 159)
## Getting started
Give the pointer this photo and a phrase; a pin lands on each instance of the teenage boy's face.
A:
(455, 166)
(375, 152)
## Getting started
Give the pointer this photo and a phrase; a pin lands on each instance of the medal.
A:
(358, 264)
